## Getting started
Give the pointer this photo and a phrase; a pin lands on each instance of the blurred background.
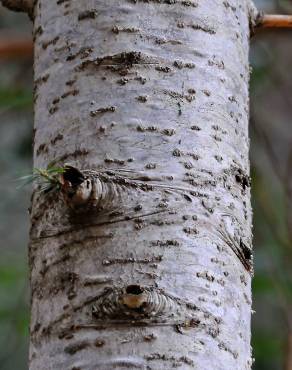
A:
(271, 158)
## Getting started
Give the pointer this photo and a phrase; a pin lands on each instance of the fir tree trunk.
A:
(143, 259)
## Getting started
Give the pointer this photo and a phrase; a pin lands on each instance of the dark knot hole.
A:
(134, 289)
(73, 175)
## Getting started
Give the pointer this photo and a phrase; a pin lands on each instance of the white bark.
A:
(152, 270)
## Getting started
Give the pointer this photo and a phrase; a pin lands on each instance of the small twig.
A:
(274, 21)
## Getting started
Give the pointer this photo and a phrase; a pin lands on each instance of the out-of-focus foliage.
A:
(16, 123)
(271, 132)
(271, 157)
(15, 98)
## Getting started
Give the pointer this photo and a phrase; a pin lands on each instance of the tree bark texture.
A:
(148, 264)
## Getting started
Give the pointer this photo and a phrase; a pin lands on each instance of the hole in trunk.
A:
(74, 176)
(134, 289)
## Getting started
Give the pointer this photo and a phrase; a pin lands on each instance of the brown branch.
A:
(19, 6)
(15, 46)
(274, 21)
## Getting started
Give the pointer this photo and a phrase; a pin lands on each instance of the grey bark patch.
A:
(73, 348)
(232, 237)
(95, 112)
(46, 44)
(125, 59)
(87, 14)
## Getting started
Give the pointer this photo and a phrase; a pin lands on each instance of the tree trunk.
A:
(143, 260)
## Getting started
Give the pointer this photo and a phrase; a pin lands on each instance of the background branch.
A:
(14, 46)
(274, 21)
(19, 6)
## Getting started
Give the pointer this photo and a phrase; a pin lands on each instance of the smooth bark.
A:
(149, 264)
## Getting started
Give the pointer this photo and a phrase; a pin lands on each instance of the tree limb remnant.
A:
(25, 6)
